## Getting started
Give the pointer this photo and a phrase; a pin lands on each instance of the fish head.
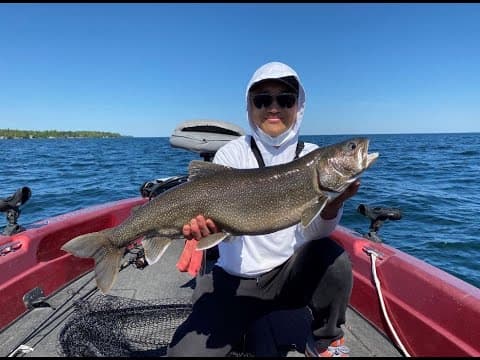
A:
(342, 163)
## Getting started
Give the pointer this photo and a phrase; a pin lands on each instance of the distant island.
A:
(54, 134)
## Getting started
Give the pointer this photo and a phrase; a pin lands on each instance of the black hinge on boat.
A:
(35, 298)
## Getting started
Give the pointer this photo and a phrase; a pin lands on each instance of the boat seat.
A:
(11, 206)
(14, 201)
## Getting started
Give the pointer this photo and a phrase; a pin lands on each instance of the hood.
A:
(275, 70)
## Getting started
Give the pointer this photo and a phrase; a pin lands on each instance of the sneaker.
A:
(336, 348)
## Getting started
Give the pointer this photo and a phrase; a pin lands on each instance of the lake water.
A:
(432, 178)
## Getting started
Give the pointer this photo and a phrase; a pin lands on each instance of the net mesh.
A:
(112, 326)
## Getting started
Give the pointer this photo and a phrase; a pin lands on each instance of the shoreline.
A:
(7, 134)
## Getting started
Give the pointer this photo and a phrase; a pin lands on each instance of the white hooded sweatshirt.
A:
(251, 256)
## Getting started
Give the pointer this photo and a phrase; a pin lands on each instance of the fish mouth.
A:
(368, 161)
(371, 158)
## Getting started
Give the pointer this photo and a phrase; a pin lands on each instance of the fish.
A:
(240, 202)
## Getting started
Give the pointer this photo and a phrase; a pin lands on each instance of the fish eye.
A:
(351, 146)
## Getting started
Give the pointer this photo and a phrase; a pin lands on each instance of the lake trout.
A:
(239, 201)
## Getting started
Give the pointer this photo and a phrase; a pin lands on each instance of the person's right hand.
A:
(191, 260)
(198, 228)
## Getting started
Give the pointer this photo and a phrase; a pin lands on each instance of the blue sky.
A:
(141, 69)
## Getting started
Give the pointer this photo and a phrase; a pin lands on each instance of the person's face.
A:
(273, 118)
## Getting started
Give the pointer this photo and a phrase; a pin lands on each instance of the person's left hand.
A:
(330, 210)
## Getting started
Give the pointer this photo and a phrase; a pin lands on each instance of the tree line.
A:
(31, 134)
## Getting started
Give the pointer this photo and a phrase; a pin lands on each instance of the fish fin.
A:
(199, 168)
(212, 240)
(107, 256)
(154, 247)
(107, 268)
(312, 211)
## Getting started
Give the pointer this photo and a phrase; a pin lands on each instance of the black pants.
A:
(319, 275)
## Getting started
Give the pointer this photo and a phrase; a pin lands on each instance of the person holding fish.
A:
(287, 269)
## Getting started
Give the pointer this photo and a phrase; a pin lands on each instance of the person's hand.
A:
(190, 259)
(198, 228)
(330, 211)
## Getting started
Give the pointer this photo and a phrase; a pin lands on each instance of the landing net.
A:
(113, 326)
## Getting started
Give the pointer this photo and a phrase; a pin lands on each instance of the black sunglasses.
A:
(285, 100)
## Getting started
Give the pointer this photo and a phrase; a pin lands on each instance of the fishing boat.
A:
(50, 305)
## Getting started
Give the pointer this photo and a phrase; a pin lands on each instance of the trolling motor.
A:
(11, 206)
(378, 215)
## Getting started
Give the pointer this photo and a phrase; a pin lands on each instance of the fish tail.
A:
(107, 256)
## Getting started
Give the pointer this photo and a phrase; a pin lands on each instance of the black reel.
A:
(378, 215)
(11, 206)
(135, 255)
(150, 189)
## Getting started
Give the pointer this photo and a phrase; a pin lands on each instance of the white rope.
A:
(373, 255)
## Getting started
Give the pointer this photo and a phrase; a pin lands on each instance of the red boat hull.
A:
(433, 313)
(38, 260)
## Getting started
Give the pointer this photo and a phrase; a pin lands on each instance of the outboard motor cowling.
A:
(204, 136)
